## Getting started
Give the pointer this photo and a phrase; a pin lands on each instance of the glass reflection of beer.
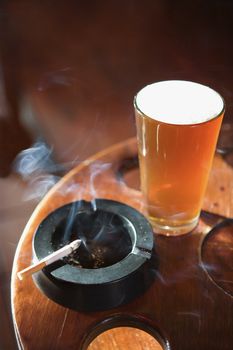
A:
(178, 123)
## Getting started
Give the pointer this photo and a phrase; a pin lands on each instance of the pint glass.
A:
(178, 123)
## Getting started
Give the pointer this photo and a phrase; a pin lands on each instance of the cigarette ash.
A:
(96, 256)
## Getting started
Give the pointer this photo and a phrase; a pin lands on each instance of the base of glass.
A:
(174, 228)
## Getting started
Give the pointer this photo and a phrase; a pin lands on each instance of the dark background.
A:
(68, 74)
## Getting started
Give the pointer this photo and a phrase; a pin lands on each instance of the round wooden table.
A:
(183, 309)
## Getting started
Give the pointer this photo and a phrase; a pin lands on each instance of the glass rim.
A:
(143, 114)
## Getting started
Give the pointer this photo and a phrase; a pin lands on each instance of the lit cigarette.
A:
(58, 254)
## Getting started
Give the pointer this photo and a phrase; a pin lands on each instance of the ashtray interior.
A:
(105, 238)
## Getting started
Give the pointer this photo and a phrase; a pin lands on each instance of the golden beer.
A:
(176, 143)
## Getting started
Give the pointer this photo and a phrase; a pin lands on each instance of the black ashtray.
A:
(111, 267)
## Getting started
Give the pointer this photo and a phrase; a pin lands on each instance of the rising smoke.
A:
(36, 166)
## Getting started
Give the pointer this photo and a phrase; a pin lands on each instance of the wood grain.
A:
(181, 305)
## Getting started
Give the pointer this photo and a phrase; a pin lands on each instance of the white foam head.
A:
(179, 102)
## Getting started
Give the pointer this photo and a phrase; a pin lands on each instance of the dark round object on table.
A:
(217, 255)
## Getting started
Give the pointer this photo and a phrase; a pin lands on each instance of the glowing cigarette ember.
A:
(58, 254)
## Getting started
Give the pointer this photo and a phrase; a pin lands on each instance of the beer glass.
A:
(178, 123)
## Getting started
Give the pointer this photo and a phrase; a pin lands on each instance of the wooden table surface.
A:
(182, 304)
(69, 72)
